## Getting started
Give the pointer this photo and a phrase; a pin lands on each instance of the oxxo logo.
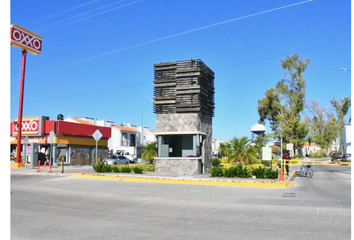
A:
(25, 39)
(28, 126)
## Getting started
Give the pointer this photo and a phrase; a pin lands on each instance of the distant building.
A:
(125, 137)
(309, 148)
(347, 139)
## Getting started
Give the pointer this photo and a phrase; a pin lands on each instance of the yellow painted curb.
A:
(195, 182)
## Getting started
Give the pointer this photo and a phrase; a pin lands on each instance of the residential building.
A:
(125, 137)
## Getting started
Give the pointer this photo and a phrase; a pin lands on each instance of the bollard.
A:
(50, 167)
(39, 164)
(62, 164)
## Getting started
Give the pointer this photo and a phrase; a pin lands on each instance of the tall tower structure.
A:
(184, 107)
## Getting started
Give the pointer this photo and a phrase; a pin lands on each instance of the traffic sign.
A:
(97, 135)
(289, 146)
(26, 140)
(51, 137)
(266, 153)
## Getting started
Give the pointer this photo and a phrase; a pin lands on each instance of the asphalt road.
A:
(62, 207)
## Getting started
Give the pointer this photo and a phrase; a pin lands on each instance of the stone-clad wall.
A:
(86, 155)
(189, 122)
(178, 166)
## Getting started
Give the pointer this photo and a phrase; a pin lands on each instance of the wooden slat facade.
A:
(183, 87)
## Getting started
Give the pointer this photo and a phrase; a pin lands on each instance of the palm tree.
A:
(241, 151)
(149, 152)
(223, 149)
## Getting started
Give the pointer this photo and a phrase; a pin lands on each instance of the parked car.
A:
(116, 160)
(126, 154)
(346, 158)
(336, 156)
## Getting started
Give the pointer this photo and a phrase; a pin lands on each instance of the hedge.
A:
(136, 168)
(247, 171)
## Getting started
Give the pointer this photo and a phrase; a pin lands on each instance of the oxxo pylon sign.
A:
(28, 42)
(25, 39)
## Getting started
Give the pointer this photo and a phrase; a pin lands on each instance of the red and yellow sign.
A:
(25, 39)
(30, 126)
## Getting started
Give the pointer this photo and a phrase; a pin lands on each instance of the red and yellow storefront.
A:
(57, 140)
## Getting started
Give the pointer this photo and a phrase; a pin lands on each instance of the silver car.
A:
(116, 160)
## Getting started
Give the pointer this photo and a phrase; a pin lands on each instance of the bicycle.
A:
(305, 171)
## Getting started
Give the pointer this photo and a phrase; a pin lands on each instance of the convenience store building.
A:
(57, 139)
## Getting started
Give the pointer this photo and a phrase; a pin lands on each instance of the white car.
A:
(131, 158)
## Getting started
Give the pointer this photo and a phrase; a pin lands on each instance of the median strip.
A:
(216, 182)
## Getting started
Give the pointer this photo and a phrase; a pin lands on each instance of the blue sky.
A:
(97, 56)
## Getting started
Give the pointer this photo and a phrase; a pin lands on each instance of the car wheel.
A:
(126, 163)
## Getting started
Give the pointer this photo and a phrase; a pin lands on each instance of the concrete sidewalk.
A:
(203, 179)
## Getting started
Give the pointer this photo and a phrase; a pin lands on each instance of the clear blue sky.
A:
(97, 56)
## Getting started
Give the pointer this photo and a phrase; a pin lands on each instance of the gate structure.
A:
(184, 107)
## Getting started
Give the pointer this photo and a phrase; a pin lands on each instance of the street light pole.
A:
(281, 149)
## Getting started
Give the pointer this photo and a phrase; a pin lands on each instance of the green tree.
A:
(241, 151)
(342, 109)
(283, 105)
(149, 152)
(322, 125)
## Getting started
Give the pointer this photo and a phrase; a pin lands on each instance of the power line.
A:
(281, 55)
(84, 93)
(233, 65)
(68, 10)
(85, 13)
(182, 33)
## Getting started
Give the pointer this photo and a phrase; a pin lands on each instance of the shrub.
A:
(266, 163)
(216, 171)
(238, 170)
(125, 169)
(98, 167)
(215, 162)
(147, 167)
(137, 169)
(223, 160)
(258, 161)
(258, 172)
(230, 172)
(269, 173)
(106, 168)
(115, 168)
(246, 173)
(254, 166)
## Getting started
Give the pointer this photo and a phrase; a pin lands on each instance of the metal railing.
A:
(128, 143)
